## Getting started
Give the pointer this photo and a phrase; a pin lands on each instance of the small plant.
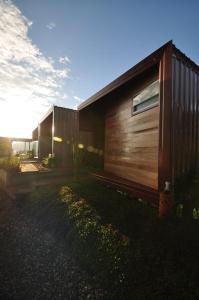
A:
(5, 147)
(89, 159)
(187, 196)
(50, 161)
(99, 244)
(179, 210)
(25, 154)
(11, 164)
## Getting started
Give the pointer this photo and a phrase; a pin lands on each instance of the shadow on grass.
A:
(163, 254)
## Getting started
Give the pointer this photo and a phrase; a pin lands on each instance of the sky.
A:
(60, 52)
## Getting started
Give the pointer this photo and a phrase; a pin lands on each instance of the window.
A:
(147, 98)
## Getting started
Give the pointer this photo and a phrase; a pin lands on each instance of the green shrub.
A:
(187, 196)
(50, 161)
(5, 147)
(99, 245)
(11, 164)
(90, 160)
(25, 154)
(162, 252)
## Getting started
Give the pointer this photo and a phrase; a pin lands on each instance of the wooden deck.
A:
(33, 166)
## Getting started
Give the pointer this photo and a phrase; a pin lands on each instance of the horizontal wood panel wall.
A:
(185, 90)
(65, 127)
(131, 142)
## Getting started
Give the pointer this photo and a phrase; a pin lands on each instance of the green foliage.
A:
(106, 248)
(25, 155)
(151, 260)
(179, 210)
(90, 160)
(50, 162)
(5, 147)
(99, 247)
(11, 164)
(187, 196)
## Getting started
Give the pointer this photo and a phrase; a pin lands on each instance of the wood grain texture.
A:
(131, 142)
(66, 128)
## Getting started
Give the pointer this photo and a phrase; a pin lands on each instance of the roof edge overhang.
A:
(183, 57)
(50, 111)
(16, 139)
(136, 70)
(47, 114)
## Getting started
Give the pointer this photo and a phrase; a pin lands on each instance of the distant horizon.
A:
(61, 53)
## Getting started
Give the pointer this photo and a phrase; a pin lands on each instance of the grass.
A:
(163, 254)
(113, 207)
(11, 164)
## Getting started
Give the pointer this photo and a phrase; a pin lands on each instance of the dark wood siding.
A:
(35, 134)
(165, 119)
(91, 136)
(185, 90)
(65, 127)
(157, 146)
(86, 139)
(131, 142)
(91, 126)
(45, 137)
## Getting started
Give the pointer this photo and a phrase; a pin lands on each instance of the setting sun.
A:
(16, 119)
(30, 81)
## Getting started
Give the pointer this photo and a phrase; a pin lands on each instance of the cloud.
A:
(51, 25)
(65, 96)
(78, 99)
(64, 60)
(29, 81)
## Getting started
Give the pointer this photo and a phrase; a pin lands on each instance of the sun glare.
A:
(16, 120)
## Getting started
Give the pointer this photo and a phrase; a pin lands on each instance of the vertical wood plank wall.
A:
(86, 139)
(131, 142)
(185, 90)
(91, 126)
(45, 137)
(66, 128)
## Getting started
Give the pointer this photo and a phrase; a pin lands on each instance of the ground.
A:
(35, 263)
(38, 262)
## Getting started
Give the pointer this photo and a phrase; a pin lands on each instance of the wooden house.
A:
(57, 135)
(146, 123)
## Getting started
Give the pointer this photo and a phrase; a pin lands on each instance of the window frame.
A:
(150, 106)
